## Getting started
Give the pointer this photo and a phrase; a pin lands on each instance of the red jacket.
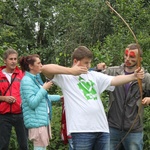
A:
(14, 90)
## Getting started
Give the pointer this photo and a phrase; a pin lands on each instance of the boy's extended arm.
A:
(122, 79)
(50, 70)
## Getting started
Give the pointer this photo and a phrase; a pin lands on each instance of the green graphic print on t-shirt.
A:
(87, 89)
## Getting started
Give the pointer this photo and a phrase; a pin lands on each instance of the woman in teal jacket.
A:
(36, 102)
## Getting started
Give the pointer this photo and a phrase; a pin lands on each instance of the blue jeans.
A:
(91, 141)
(6, 123)
(133, 141)
(70, 144)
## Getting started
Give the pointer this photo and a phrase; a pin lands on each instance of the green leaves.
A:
(54, 28)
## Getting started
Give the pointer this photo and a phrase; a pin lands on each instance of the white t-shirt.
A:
(8, 75)
(84, 108)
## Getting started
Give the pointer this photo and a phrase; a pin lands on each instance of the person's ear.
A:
(75, 61)
(30, 67)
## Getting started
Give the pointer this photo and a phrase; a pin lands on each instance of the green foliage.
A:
(56, 142)
(13, 143)
(1, 58)
(53, 29)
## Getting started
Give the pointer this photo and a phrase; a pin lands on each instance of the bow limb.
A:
(138, 65)
(139, 60)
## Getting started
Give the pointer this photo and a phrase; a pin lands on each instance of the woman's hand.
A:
(47, 85)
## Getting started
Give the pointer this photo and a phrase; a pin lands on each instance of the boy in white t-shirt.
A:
(85, 115)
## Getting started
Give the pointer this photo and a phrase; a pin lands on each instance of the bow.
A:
(138, 65)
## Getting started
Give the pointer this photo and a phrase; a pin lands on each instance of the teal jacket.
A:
(35, 101)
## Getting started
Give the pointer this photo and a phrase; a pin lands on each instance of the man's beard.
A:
(130, 67)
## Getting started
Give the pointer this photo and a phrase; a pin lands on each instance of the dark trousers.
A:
(7, 121)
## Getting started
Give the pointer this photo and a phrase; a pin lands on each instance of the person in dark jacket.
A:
(10, 102)
(125, 110)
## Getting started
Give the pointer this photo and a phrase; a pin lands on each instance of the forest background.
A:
(54, 28)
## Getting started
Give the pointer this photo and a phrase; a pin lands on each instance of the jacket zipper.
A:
(124, 107)
(10, 95)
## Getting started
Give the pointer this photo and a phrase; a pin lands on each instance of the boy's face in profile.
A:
(85, 62)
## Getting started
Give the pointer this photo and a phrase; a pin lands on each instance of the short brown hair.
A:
(82, 52)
